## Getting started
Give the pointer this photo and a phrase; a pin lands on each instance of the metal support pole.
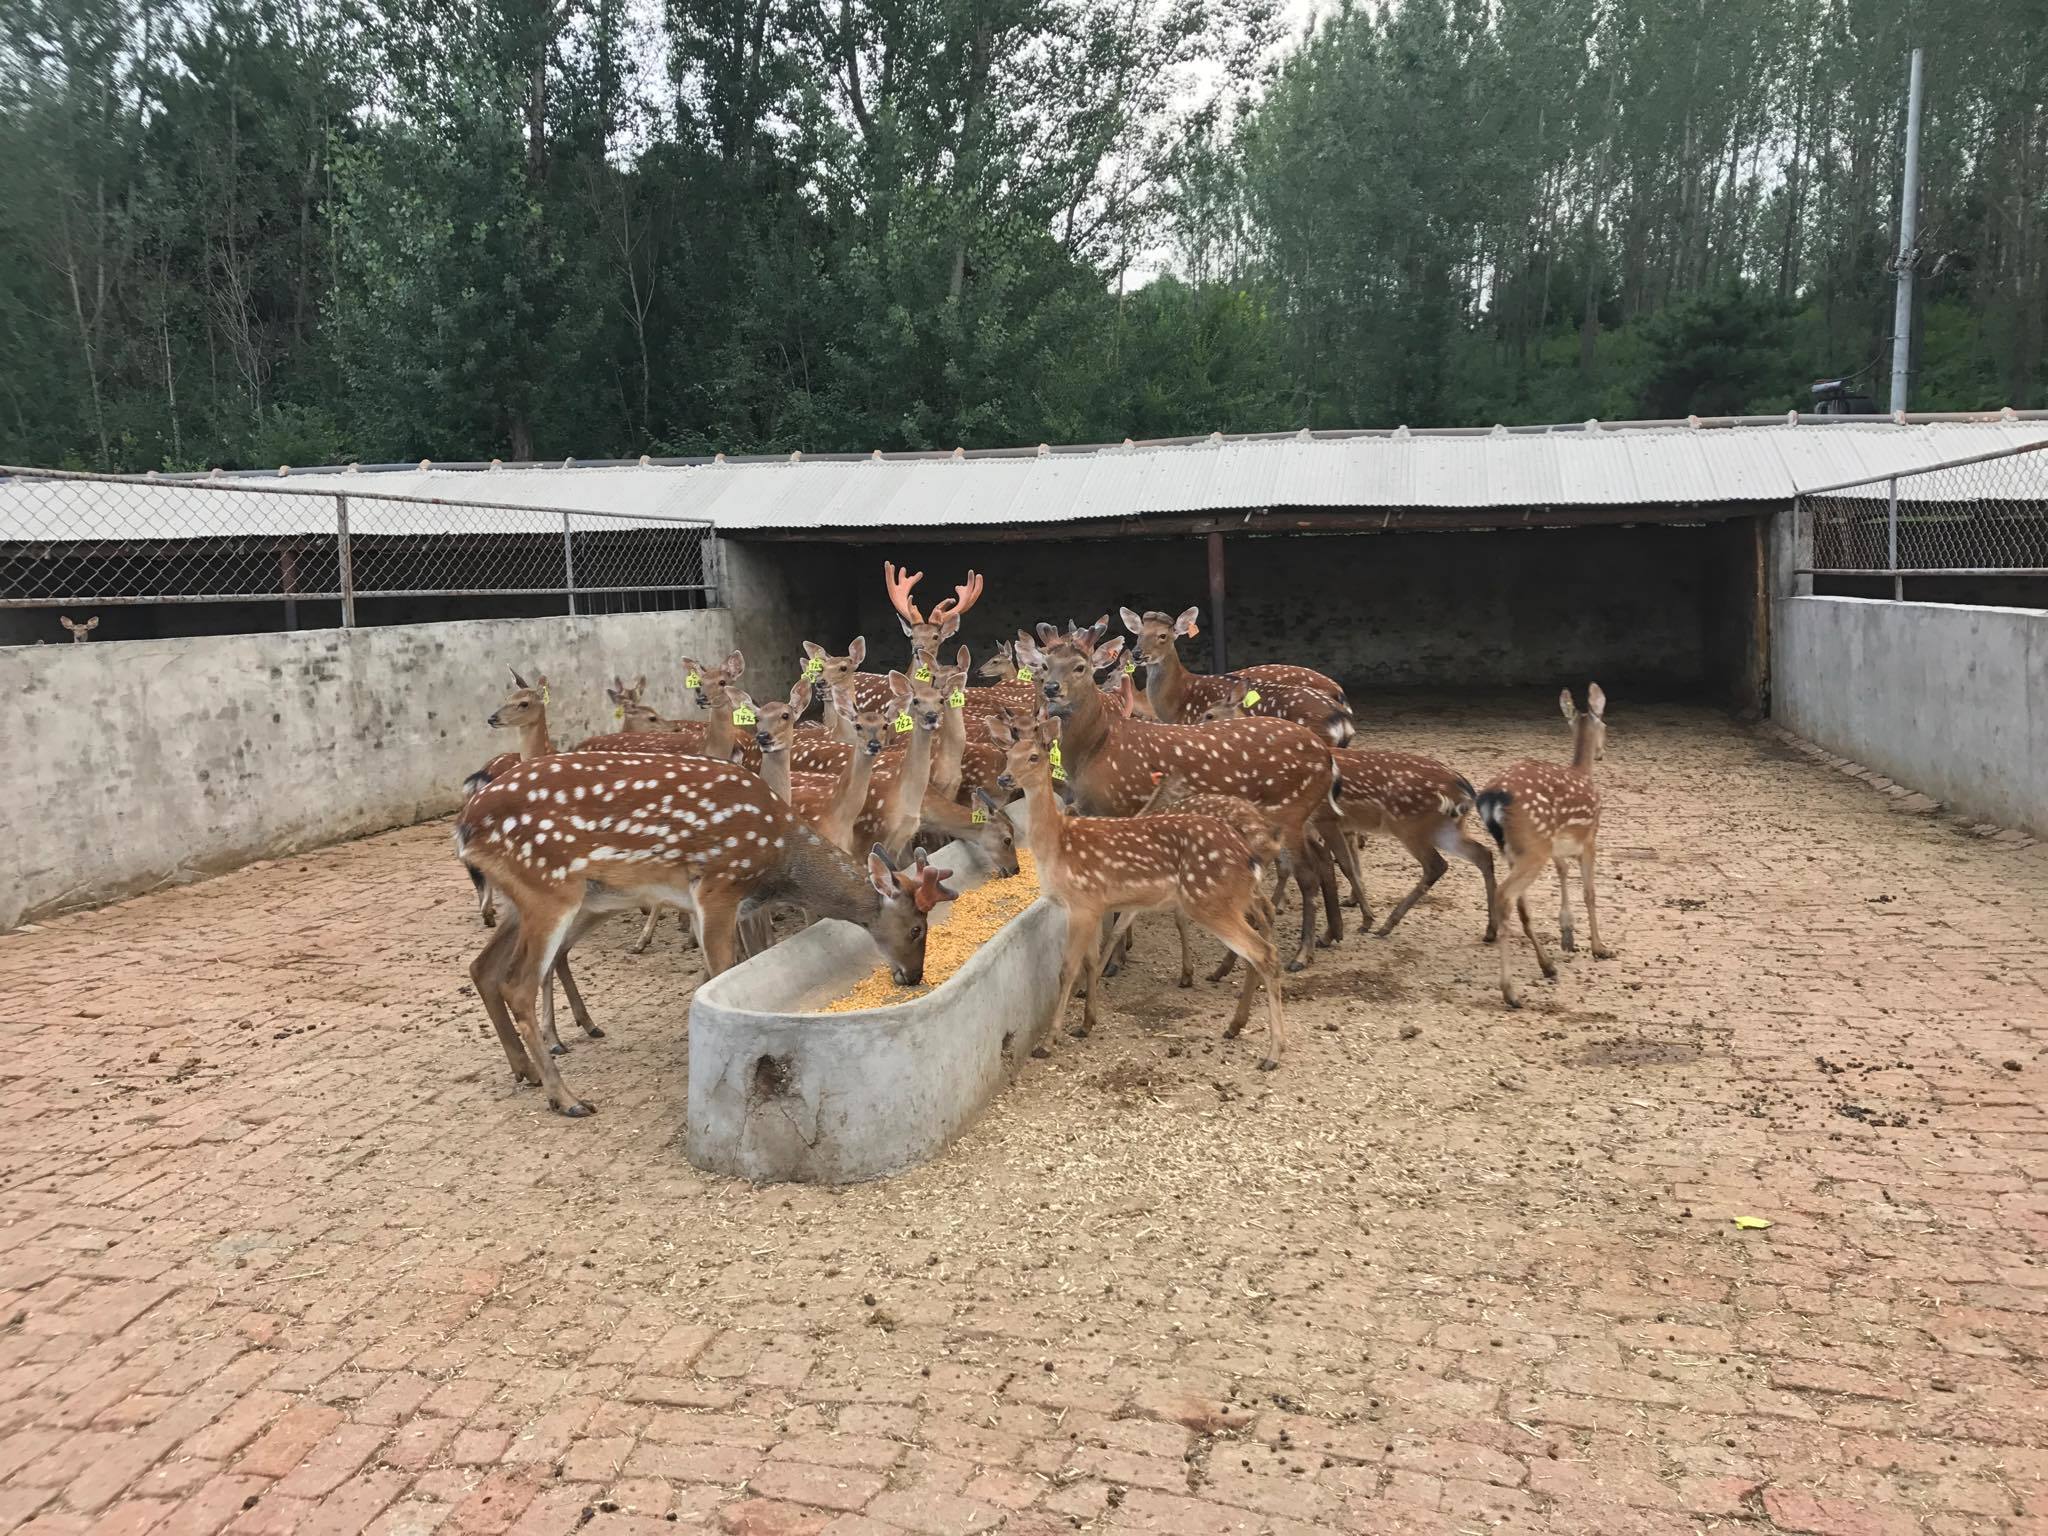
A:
(1909, 235)
(1217, 648)
(569, 562)
(1891, 522)
(348, 564)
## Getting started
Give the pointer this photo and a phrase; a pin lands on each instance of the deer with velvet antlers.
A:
(571, 838)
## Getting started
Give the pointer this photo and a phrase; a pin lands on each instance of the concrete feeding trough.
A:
(782, 1094)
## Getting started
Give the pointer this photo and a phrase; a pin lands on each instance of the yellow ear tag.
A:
(745, 716)
(1059, 769)
(1130, 667)
(813, 670)
(691, 679)
(1023, 674)
(618, 714)
(923, 673)
(1251, 697)
(903, 722)
(978, 816)
(957, 699)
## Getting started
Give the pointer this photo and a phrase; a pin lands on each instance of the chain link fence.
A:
(85, 542)
(1978, 517)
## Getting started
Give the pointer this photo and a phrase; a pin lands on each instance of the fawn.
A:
(570, 838)
(1422, 805)
(1549, 811)
(1093, 866)
(80, 633)
(1178, 694)
(1251, 823)
(1237, 696)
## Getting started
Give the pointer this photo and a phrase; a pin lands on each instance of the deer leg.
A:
(1433, 867)
(1080, 937)
(1509, 892)
(1187, 953)
(581, 1014)
(1564, 906)
(1450, 838)
(1303, 876)
(647, 931)
(1338, 838)
(1262, 963)
(1326, 878)
(1118, 946)
(487, 906)
(532, 960)
(718, 909)
(487, 974)
(1600, 951)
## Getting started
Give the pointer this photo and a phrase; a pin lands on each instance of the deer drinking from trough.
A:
(1548, 813)
(571, 838)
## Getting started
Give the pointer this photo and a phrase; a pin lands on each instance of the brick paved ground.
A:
(285, 1250)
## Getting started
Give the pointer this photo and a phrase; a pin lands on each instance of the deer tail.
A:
(1492, 805)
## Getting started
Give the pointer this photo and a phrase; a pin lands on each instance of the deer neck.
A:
(533, 737)
(720, 734)
(917, 774)
(1085, 733)
(848, 796)
(825, 881)
(1582, 746)
(952, 746)
(838, 723)
(1047, 823)
(775, 770)
(1166, 684)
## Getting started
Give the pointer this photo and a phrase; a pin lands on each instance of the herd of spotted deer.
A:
(1178, 796)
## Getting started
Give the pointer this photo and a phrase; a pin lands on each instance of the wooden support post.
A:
(1216, 593)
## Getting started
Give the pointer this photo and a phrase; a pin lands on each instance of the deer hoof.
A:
(1080, 1031)
(558, 1049)
(1603, 954)
(1268, 1064)
(1187, 979)
(1512, 1000)
(1039, 1052)
(1297, 964)
(1550, 973)
(1489, 937)
(1110, 970)
(576, 1109)
(1566, 942)
(593, 1032)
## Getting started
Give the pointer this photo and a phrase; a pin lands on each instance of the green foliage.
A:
(247, 233)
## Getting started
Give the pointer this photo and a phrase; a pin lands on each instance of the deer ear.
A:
(739, 698)
(799, 697)
(517, 680)
(813, 649)
(640, 682)
(1564, 702)
(857, 651)
(904, 622)
(963, 659)
(735, 664)
(1596, 701)
(881, 873)
(615, 694)
(949, 629)
(93, 622)
(1185, 624)
(1131, 621)
(988, 801)
(899, 685)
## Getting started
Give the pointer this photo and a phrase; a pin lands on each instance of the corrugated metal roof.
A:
(1654, 465)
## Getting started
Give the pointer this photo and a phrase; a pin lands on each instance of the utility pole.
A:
(1909, 235)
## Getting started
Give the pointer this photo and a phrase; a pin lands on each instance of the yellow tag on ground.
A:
(692, 679)
(813, 670)
(1251, 697)
(1750, 1224)
(1059, 769)
(957, 699)
(745, 716)
(904, 722)
(923, 673)
(978, 816)
(1023, 674)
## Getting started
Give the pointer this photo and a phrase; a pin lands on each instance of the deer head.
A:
(707, 685)
(1155, 633)
(525, 704)
(1589, 731)
(1063, 669)
(824, 670)
(925, 631)
(908, 896)
(1237, 696)
(775, 721)
(628, 708)
(80, 633)
(1001, 665)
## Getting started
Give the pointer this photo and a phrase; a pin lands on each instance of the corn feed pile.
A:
(975, 916)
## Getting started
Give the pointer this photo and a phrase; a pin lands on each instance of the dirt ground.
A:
(285, 1250)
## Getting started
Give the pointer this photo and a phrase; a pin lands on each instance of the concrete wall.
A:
(784, 594)
(1950, 700)
(1646, 611)
(140, 763)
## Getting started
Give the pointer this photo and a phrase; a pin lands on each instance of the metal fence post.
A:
(569, 562)
(1891, 488)
(348, 565)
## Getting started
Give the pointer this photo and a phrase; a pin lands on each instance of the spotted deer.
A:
(1109, 762)
(80, 633)
(926, 632)
(1422, 805)
(1238, 696)
(1095, 865)
(833, 678)
(631, 713)
(1549, 812)
(570, 838)
(1251, 823)
(525, 710)
(1178, 694)
(725, 737)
